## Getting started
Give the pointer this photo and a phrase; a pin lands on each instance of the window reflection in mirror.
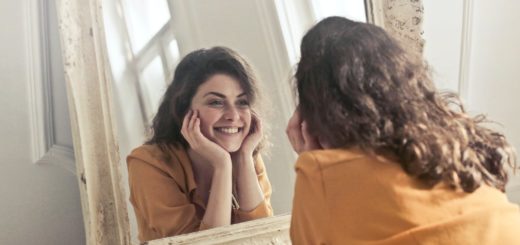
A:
(142, 49)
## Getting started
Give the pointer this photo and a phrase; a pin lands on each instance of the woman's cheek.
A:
(207, 120)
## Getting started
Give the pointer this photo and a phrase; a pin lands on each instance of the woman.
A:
(383, 157)
(202, 168)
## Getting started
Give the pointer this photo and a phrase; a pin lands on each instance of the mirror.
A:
(106, 75)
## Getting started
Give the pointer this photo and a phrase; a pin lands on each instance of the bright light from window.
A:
(352, 9)
(173, 47)
(153, 86)
(144, 20)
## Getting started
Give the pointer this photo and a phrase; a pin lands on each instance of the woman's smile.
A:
(228, 130)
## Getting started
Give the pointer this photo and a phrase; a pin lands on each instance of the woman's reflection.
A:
(202, 168)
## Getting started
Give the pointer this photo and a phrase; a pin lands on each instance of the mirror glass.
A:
(146, 40)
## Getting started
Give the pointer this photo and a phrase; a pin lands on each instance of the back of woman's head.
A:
(192, 71)
(357, 87)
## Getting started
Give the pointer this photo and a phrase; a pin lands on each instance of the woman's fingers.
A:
(256, 132)
(186, 120)
(253, 137)
(194, 116)
(259, 125)
(310, 142)
(295, 120)
(296, 139)
(256, 125)
(185, 123)
(192, 133)
(196, 129)
(299, 136)
(305, 133)
(191, 129)
(294, 132)
(197, 138)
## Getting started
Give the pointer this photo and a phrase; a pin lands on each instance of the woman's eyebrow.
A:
(221, 95)
(215, 94)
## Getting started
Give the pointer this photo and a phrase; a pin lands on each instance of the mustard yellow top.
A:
(347, 197)
(162, 192)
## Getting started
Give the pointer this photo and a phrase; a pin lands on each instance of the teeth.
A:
(228, 130)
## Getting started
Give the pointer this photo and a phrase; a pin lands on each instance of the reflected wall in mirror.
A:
(115, 83)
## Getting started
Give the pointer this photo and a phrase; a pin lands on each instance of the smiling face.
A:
(224, 112)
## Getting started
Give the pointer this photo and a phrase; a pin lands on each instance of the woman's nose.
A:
(231, 113)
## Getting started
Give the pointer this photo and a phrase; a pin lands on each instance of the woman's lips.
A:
(228, 130)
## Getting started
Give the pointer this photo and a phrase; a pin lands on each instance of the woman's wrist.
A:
(225, 171)
(223, 162)
(241, 159)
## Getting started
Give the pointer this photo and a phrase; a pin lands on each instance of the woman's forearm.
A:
(250, 194)
(218, 209)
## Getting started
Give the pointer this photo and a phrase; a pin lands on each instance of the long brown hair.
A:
(357, 87)
(192, 71)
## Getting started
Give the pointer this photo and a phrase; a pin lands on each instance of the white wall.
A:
(442, 31)
(39, 203)
(492, 77)
(494, 70)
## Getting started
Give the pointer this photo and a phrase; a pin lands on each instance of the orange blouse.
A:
(162, 192)
(347, 197)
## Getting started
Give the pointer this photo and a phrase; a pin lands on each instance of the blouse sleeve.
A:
(309, 213)
(162, 209)
(263, 209)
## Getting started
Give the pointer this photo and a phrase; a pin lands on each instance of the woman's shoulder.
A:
(329, 157)
(150, 161)
(350, 160)
(147, 153)
(162, 157)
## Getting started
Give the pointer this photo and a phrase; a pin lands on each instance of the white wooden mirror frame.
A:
(89, 82)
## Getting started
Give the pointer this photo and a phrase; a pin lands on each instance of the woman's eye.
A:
(216, 103)
(243, 103)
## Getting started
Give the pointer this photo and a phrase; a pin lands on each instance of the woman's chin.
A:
(230, 145)
(231, 148)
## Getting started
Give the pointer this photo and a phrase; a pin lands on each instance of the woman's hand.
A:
(209, 150)
(218, 208)
(254, 137)
(249, 193)
(299, 136)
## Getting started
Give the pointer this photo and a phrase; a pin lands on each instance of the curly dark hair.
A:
(192, 71)
(358, 87)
